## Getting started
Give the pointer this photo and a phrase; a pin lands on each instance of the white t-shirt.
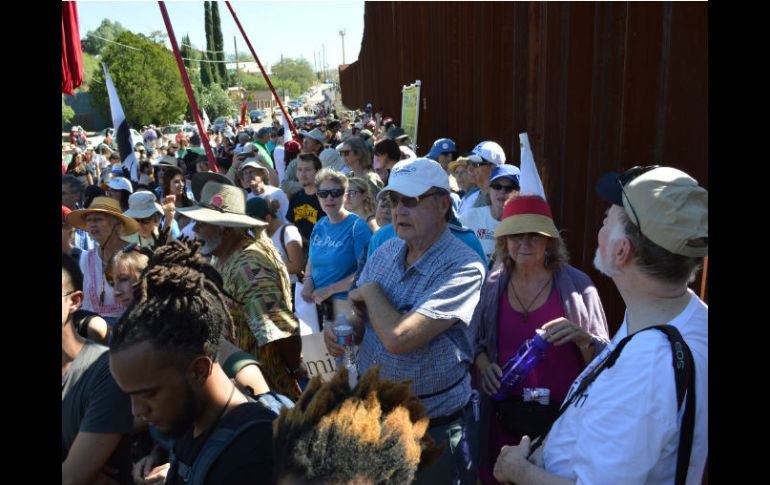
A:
(468, 200)
(279, 153)
(290, 234)
(626, 427)
(480, 220)
(275, 194)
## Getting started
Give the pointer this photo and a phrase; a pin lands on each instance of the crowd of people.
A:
(183, 279)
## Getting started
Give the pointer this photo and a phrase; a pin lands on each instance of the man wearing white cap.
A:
(639, 411)
(254, 177)
(486, 156)
(254, 274)
(417, 294)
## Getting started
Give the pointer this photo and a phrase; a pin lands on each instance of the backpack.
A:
(219, 440)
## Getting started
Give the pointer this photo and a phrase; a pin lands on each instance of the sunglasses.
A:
(625, 178)
(335, 193)
(408, 202)
(479, 164)
(146, 220)
(532, 236)
(506, 188)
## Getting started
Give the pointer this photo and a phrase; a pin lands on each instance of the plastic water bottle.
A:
(516, 369)
(343, 330)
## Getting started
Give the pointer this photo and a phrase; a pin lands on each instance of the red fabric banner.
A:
(71, 52)
(243, 114)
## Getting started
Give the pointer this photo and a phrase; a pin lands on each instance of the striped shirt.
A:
(444, 283)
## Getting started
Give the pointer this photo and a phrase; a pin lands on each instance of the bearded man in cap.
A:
(106, 224)
(417, 294)
(640, 416)
(256, 277)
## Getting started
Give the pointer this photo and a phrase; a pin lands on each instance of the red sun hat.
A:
(526, 213)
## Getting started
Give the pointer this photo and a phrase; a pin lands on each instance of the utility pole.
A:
(283, 82)
(237, 69)
(315, 65)
(342, 34)
(323, 61)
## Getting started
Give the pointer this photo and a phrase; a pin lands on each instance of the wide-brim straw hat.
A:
(103, 205)
(221, 205)
(526, 213)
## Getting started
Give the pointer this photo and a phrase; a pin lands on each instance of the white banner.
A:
(316, 359)
(410, 111)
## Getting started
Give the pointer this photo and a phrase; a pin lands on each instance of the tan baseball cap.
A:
(668, 205)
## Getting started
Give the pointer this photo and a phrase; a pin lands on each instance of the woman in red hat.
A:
(534, 288)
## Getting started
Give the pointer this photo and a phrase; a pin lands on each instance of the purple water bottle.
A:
(527, 357)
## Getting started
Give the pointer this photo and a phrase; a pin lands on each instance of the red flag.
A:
(71, 53)
(243, 114)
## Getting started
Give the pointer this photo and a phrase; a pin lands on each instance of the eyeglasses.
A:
(478, 164)
(335, 193)
(68, 293)
(354, 192)
(532, 236)
(507, 188)
(408, 202)
(625, 178)
(344, 153)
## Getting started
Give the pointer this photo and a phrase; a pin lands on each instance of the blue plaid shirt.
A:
(444, 283)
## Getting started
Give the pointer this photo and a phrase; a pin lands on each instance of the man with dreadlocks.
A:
(375, 433)
(162, 354)
(256, 277)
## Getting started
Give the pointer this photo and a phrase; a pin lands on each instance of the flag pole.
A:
(188, 89)
(264, 74)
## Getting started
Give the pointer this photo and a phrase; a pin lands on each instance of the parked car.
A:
(257, 116)
(219, 123)
(97, 139)
(172, 130)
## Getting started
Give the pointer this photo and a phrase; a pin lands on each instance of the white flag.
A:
(122, 130)
(287, 135)
(530, 178)
(206, 121)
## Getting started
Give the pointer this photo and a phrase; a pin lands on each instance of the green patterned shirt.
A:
(258, 279)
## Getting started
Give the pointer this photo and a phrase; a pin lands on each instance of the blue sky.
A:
(294, 29)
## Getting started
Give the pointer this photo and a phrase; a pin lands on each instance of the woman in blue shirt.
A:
(335, 243)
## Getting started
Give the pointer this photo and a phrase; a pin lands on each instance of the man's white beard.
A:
(210, 245)
(603, 267)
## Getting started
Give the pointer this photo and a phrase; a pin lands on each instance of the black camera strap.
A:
(684, 375)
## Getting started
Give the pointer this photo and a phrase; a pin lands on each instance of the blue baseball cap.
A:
(511, 172)
(440, 146)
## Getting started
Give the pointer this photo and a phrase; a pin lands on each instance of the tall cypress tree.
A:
(209, 42)
(186, 51)
(219, 44)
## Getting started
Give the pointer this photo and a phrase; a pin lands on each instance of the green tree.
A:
(297, 71)
(219, 44)
(215, 101)
(208, 55)
(253, 83)
(185, 50)
(207, 78)
(146, 78)
(67, 113)
(106, 30)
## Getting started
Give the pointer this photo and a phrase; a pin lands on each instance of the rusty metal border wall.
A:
(598, 87)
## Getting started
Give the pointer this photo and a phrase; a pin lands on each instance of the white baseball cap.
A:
(490, 151)
(415, 177)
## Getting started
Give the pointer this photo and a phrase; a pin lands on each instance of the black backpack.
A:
(220, 438)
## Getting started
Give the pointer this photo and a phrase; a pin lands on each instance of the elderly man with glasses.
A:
(416, 296)
(485, 156)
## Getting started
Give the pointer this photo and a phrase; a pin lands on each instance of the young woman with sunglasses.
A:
(335, 244)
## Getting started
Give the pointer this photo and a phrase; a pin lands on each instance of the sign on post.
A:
(410, 111)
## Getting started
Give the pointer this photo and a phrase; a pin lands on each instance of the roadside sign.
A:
(410, 111)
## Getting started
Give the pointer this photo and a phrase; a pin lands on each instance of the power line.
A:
(137, 49)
